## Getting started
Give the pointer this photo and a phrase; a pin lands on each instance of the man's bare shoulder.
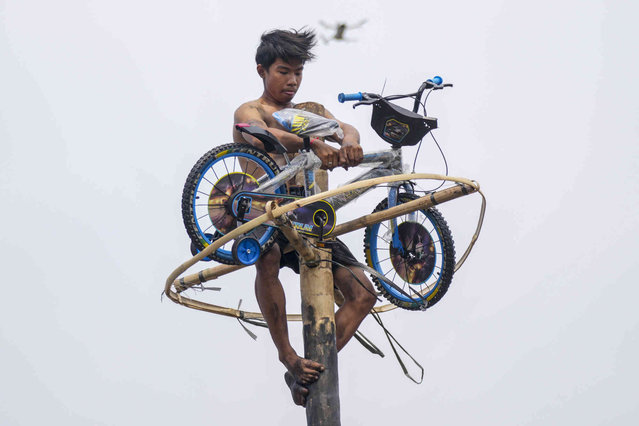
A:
(250, 109)
(251, 112)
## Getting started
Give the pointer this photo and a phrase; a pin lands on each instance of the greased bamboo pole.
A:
(307, 254)
(318, 320)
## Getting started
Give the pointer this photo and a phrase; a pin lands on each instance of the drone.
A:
(340, 29)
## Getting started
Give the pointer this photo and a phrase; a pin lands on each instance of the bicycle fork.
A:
(393, 200)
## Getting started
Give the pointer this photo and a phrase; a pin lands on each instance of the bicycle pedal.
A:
(296, 190)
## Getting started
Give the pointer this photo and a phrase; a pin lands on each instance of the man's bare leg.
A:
(272, 301)
(358, 303)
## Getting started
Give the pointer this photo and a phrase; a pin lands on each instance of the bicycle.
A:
(231, 185)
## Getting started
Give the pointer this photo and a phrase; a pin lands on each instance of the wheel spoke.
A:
(217, 178)
(212, 184)
(252, 173)
(382, 238)
(228, 173)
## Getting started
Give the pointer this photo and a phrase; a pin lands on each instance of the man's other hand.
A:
(330, 156)
(350, 155)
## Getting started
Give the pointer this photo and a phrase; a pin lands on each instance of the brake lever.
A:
(369, 99)
(368, 102)
(441, 86)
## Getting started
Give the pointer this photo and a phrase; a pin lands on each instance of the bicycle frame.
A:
(385, 163)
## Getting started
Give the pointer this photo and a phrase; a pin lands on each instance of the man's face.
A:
(282, 79)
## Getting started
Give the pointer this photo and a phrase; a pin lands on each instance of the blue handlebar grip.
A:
(436, 80)
(343, 97)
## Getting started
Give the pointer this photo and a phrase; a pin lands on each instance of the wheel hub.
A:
(218, 204)
(414, 261)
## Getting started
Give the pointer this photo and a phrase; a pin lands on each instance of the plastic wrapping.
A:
(301, 162)
(340, 200)
(304, 123)
(383, 163)
(389, 158)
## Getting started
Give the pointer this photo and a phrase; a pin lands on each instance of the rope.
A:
(367, 343)
(389, 336)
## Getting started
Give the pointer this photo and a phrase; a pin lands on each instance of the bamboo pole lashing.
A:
(212, 273)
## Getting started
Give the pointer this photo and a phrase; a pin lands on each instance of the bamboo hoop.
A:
(181, 284)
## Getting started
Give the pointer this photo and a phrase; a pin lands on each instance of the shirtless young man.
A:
(280, 61)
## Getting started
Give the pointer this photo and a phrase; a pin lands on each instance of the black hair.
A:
(292, 45)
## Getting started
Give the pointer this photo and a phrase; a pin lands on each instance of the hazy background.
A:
(106, 105)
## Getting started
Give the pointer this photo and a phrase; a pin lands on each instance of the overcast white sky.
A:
(106, 105)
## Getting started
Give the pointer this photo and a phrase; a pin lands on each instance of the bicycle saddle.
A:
(271, 143)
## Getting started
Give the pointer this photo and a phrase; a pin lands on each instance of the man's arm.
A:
(251, 114)
(350, 153)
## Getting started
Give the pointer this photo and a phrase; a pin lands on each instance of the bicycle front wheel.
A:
(213, 180)
(417, 255)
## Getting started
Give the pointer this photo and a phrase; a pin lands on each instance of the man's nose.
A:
(293, 80)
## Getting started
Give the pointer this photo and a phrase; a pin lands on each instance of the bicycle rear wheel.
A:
(213, 180)
(419, 257)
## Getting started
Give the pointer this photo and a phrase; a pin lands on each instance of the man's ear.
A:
(261, 71)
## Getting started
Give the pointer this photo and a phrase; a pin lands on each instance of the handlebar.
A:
(343, 97)
(437, 80)
(363, 98)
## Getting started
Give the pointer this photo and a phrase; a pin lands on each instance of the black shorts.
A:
(341, 254)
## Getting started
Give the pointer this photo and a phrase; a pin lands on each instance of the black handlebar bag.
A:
(399, 126)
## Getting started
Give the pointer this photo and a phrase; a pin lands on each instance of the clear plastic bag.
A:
(304, 123)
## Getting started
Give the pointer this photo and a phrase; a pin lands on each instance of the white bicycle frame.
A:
(383, 163)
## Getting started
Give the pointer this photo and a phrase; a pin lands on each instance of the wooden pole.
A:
(307, 255)
(318, 319)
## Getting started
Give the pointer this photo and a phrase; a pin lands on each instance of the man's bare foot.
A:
(304, 371)
(298, 392)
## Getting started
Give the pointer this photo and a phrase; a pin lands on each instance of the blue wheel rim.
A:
(372, 243)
